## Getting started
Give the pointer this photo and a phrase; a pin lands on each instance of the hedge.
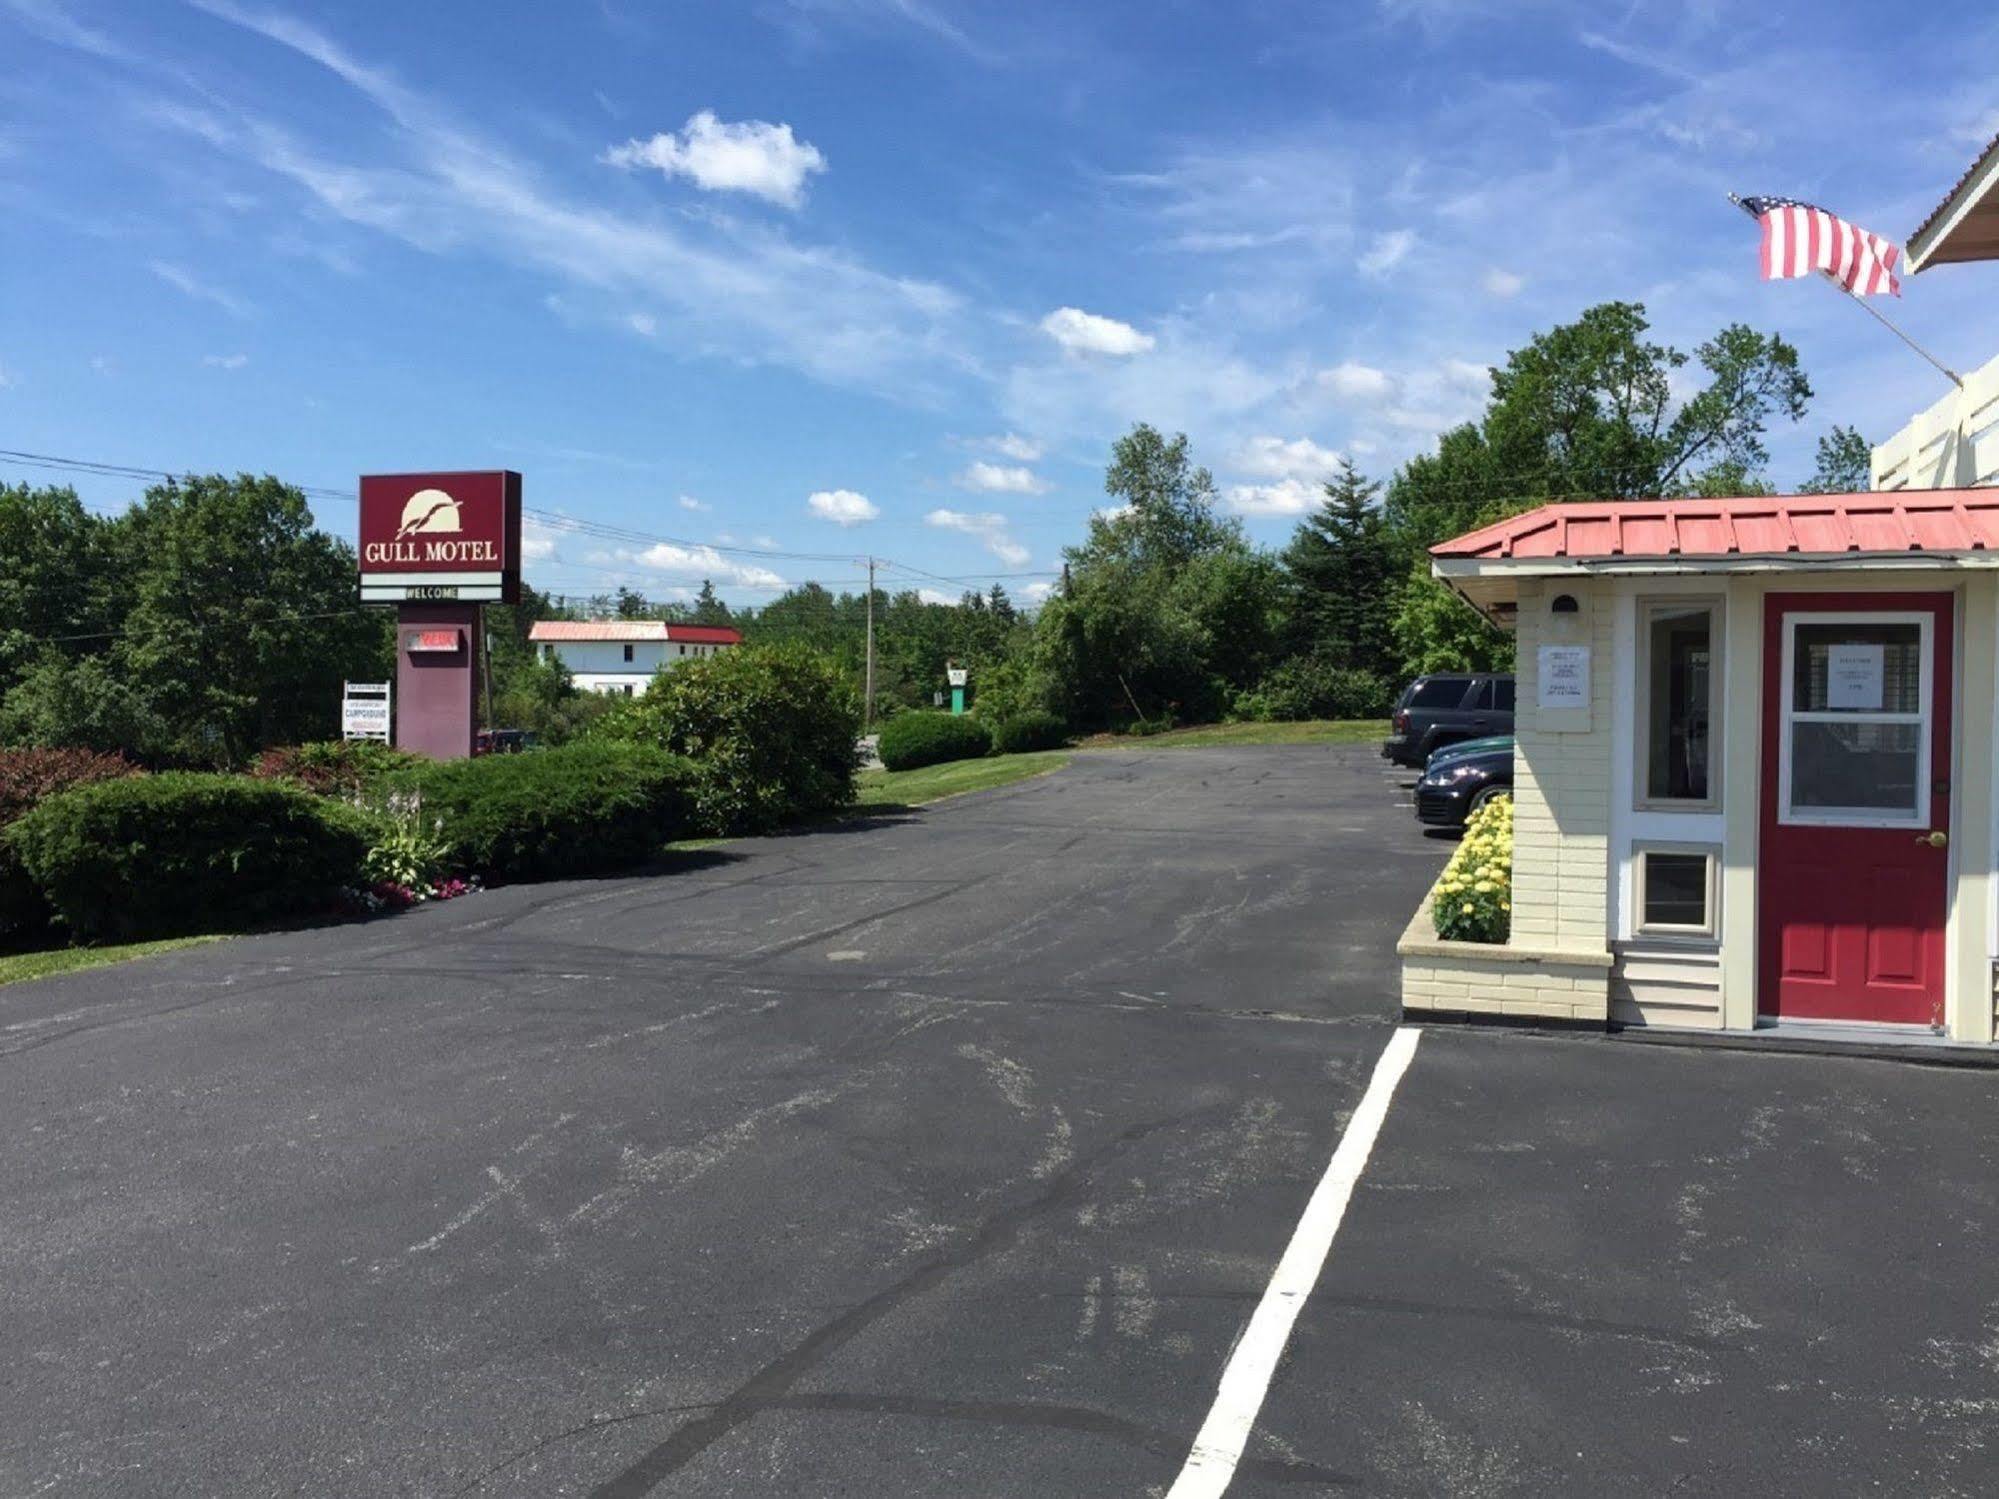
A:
(912, 739)
(773, 729)
(27, 778)
(333, 767)
(574, 810)
(1029, 730)
(186, 852)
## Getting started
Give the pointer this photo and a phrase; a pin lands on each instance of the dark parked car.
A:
(1466, 747)
(1458, 787)
(503, 741)
(1438, 710)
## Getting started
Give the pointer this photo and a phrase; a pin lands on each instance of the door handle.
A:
(1934, 840)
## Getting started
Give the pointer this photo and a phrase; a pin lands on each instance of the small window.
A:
(1479, 699)
(1676, 892)
(683, 650)
(628, 689)
(1502, 694)
(628, 653)
(1677, 643)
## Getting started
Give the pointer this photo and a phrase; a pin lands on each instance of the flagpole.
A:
(1935, 363)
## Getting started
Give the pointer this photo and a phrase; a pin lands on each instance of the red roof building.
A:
(623, 656)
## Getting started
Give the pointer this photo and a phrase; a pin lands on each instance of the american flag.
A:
(1799, 239)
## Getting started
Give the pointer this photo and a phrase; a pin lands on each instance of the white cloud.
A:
(1086, 333)
(1465, 372)
(843, 507)
(749, 156)
(1502, 283)
(1285, 497)
(688, 502)
(1038, 591)
(704, 562)
(225, 361)
(186, 283)
(936, 596)
(1274, 458)
(1020, 449)
(537, 540)
(642, 323)
(1358, 382)
(989, 528)
(1000, 478)
(1387, 252)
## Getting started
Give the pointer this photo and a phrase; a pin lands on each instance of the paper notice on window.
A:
(1855, 676)
(1564, 676)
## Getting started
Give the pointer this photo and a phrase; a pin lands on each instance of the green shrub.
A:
(187, 852)
(578, 809)
(333, 767)
(1031, 730)
(912, 739)
(771, 728)
(27, 778)
(1313, 687)
(1145, 728)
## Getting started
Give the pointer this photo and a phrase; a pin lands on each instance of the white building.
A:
(623, 655)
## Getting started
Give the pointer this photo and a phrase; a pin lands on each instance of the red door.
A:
(1853, 869)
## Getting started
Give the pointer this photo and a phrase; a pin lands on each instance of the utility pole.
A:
(868, 711)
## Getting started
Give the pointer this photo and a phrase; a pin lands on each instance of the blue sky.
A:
(840, 277)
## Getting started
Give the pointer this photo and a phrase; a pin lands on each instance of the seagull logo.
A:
(429, 510)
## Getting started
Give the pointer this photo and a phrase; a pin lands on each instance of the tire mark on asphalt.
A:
(776, 1379)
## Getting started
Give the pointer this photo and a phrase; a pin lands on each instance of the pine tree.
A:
(1341, 574)
(709, 610)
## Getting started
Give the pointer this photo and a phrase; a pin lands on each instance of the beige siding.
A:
(1661, 984)
(1472, 978)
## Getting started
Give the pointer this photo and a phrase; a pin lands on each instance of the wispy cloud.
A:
(989, 529)
(188, 284)
(688, 502)
(743, 291)
(1001, 478)
(749, 156)
(225, 361)
(1386, 252)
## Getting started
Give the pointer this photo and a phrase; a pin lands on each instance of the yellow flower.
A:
(1466, 908)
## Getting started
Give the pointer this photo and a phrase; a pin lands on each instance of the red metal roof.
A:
(1908, 520)
(632, 629)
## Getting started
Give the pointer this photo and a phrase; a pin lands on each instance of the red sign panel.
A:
(435, 640)
(441, 536)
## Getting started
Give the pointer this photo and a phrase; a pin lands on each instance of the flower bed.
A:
(1473, 900)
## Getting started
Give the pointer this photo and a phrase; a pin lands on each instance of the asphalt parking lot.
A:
(951, 1153)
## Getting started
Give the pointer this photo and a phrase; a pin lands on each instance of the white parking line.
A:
(1218, 1447)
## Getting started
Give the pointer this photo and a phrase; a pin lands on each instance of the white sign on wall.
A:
(1564, 676)
(1855, 676)
(364, 711)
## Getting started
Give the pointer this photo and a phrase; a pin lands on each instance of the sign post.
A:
(956, 676)
(440, 546)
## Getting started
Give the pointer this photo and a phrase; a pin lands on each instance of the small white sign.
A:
(364, 711)
(1855, 676)
(1564, 676)
(955, 675)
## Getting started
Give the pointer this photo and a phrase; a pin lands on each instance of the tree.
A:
(1340, 573)
(56, 578)
(1845, 464)
(631, 604)
(1168, 505)
(708, 609)
(242, 620)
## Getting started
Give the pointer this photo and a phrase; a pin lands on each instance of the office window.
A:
(1676, 894)
(1677, 692)
(628, 653)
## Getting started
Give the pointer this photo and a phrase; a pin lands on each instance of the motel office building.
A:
(621, 656)
(1754, 765)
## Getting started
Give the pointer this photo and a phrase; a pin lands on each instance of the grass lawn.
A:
(35, 965)
(1310, 731)
(929, 783)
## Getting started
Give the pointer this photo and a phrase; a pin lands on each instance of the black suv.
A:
(1439, 710)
